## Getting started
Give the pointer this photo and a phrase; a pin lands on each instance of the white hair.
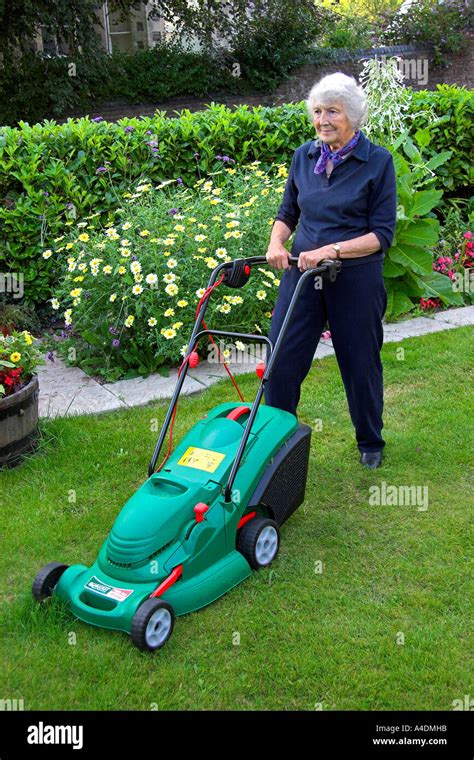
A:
(339, 87)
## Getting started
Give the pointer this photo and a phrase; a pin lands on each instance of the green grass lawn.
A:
(389, 573)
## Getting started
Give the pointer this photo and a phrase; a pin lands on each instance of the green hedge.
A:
(50, 173)
(39, 87)
(454, 106)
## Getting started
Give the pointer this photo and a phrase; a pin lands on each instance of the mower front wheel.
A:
(152, 624)
(259, 540)
(47, 579)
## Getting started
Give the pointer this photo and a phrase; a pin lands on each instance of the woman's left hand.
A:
(310, 259)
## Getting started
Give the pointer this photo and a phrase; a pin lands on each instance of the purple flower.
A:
(97, 118)
(50, 356)
(101, 170)
(173, 211)
(129, 129)
(152, 143)
(148, 132)
(113, 330)
(45, 193)
(218, 158)
(69, 205)
(115, 343)
(196, 155)
(87, 294)
(179, 181)
(133, 257)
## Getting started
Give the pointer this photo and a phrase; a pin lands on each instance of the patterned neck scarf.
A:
(337, 156)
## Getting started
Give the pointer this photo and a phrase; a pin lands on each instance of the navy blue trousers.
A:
(354, 306)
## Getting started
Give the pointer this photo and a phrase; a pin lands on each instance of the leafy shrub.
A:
(275, 38)
(446, 118)
(442, 24)
(165, 71)
(350, 33)
(408, 265)
(38, 86)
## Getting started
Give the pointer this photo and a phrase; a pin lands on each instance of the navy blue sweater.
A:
(360, 196)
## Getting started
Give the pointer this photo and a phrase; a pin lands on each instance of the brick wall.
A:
(415, 64)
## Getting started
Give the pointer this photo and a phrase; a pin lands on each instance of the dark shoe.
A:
(371, 459)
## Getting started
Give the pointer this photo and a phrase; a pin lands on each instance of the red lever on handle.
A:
(199, 510)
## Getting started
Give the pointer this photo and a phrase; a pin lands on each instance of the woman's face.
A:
(332, 125)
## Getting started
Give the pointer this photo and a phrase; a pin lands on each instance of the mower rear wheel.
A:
(152, 624)
(259, 540)
(47, 579)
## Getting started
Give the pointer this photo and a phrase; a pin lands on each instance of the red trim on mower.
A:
(245, 519)
(237, 412)
(172, 578)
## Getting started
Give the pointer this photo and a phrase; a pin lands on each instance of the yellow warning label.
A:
(201, 459)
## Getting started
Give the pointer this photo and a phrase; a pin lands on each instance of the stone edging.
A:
(66, 391)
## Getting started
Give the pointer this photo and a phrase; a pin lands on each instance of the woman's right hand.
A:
(277, 256)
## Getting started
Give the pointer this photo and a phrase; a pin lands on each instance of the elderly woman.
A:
(340, 197)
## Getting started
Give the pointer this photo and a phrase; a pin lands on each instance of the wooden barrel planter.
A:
(19, 424)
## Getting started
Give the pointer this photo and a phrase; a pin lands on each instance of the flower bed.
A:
(457, 266)
(50, 173)
(129, 292)
(19, 357)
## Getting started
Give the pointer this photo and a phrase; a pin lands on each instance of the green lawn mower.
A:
(210, 514)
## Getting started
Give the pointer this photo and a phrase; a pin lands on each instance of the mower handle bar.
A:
(331, 267)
